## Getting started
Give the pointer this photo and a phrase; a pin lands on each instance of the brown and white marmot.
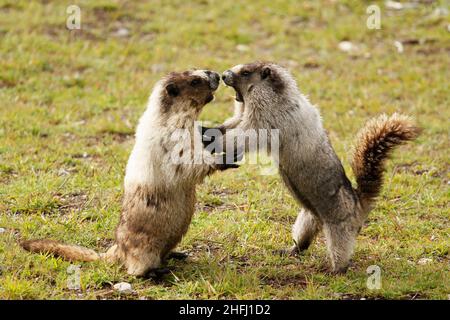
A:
(268, 98)
(161, 176)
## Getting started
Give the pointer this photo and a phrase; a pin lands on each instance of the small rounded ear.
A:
(172, 90)
(265, 72)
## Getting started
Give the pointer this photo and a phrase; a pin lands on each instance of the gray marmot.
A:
(267, 97)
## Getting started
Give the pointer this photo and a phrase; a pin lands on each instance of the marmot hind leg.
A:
(141, 264)
(304, 230)
(340, 237)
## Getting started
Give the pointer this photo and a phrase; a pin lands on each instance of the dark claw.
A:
(225, 166)
(157, 273)
(177, 255)
(290, 252)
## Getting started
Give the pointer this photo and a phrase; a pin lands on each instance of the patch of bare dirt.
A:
(286, 220)
(352, 296)
(223, 192)
(71, 201)
(7, 83)
(7, 174)
(414, 296)
(241, 261)
(119, 137)
(204, 246)
(210, 207)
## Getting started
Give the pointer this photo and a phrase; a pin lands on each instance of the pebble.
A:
(395, 5)
(2, 230)
(424, 261)
(346, 46)
(123, 287)
(122, 32)
(399, 46)
(242, 48)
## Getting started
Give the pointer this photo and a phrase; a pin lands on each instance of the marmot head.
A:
(191, 89)
(256, 77)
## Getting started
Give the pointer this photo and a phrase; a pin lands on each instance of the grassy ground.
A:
(69, 102)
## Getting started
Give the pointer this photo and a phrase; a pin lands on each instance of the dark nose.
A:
(215, 76)
(227, 77)
(214, 79)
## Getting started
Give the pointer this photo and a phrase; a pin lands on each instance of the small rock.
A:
(2, 230)
(122, 32)
(424, 261)
(242, 48)
(123, 287)
(346, 46)
(399, 46)
(352, 49)
(395, 5)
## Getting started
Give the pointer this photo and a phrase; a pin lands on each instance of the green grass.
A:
(69, 102)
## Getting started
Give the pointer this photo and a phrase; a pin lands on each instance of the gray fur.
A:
(308, 164)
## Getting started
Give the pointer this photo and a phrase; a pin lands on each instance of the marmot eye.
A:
(195, 82)
(245, 73)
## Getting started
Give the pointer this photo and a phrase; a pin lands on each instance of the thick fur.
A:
(374, 144)
(307, 162)
(70, 252)
(159, 196)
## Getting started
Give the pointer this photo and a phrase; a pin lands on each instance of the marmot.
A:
(159, 195)
(268, 98)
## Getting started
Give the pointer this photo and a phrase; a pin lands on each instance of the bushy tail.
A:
(375, 142)
(68, 252)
